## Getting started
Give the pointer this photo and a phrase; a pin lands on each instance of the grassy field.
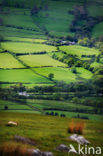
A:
(52, 104)
(95, 10)
(42, 106)
(84, 73)
(40, 60)
(79, 50)
(24, 21)
(98, 30)
(96, 64)
(22, 39)
(21, 75)
(15, 32)
(47, 132)
(8, 61)
(18, 47)
(56, 19)
(67, 75)
(15, 107)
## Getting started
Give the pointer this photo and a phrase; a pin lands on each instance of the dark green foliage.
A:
(51, 76)
(73, 70)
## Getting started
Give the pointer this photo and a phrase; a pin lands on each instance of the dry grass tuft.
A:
(14, 149)
(76, 127)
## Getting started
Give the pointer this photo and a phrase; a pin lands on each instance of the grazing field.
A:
(21, 75)
(40, 60)
(15, 107)
(47, 132)
(60, 74)
(95, 10)
(56, 19)
(18, 47)
(75, 114)
(84, 73)
(24, 21)
(79, 50)
(8, 61)
(22, 39)
(57, 105)
(98, 30)
(28, 85)
(96, 64)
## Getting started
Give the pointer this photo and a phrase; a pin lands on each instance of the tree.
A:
(34, 10)
(6, 107)
(74, 70)
(51, 76)
(98, 58)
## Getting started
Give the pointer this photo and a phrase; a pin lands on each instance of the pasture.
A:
(57, 105)
(40, 60)
(8, 61)
(98, 30)
(96, 64)
(60, 74)
(21, 75)
(79, 50)
(22, 39)
(19, 47)
(17, 20)
(84, 73)
(56, 19)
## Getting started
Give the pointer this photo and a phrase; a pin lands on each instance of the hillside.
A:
(51, 70)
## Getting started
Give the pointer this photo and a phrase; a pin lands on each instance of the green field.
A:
(21, 75)
(56, 19)
(84, 73)
(15, 107)
(8, 61)
(98, 30)
(40, 60)
(18, 47)
(60, 105)
(60, 74)
(95, 10)
(22, 39)
(24, 21)
(79, 50)
(96, 64)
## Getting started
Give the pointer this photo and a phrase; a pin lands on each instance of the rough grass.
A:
(19, 47)
(21, 75)
(79, 50)
(8, 61)
(47, 132)
(40, 60)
